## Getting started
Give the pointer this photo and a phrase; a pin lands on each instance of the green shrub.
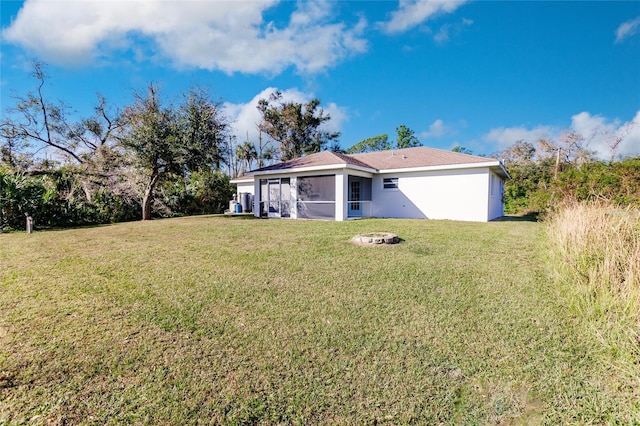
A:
(617, 182)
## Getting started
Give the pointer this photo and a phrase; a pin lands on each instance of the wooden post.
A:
(555, 171)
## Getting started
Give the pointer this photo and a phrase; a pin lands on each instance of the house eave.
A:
(488, 164)
(244, 179)
(325, 168)
(496, 166)
(505, 174)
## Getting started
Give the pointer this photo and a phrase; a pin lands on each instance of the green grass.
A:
(232, 321)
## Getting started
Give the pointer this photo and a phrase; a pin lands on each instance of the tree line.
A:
(154, 158)
(550, 173)
(149, 158)
(115, 165)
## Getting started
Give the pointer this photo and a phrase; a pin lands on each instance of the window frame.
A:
(391, 181)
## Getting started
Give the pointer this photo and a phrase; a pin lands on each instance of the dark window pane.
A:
(390, 183)
(317, 188)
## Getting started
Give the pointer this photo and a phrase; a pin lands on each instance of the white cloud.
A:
(414, 12)
(444, 34)
(627, 29)
(598, 131)
(504, 137)
(587, 124)
(601, 134)
(231, 36)
(436, 129)
(246, 117)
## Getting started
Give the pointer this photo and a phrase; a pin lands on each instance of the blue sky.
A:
(477, 74)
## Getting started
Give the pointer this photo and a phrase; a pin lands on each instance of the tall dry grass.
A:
(595, 253)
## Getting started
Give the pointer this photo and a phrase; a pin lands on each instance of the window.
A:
(317, 188)
(354, 195)
(317, 197)
(390, 183)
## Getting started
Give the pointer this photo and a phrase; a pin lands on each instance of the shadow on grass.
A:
(235, 216)
(58, 228)
(245, 216)
(531, 217)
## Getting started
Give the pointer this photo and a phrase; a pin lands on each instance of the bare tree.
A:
(36, 122)
(615, 138)
(569, 148)
(266, 153)
(33, 124)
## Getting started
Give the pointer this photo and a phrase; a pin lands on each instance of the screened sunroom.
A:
(314, 197)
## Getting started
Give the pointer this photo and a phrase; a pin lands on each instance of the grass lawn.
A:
(242, 321)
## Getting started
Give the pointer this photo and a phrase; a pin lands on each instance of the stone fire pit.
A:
(375, 238)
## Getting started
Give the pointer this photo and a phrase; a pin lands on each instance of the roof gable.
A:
(324, 158)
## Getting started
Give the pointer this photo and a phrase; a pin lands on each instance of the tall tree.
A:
(520, 152)
(265, 153)
(149, 134)
(462, 150)
(372, 144)
(165, 141)
(246, 153)
(406, 137)
(297, 128)
(203, 130)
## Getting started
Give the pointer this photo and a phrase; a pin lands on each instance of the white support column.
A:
(293, 188)
(256, 197)
(341, 195)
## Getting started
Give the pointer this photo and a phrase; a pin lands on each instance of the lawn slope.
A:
(236, 321)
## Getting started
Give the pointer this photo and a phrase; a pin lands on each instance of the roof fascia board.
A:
(241, 180)
(314, 169)
(369, 170)
(443, 167)
(329, 167)
(504, 170)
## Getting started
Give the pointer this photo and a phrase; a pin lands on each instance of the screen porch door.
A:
(273, 197)
(355, 205)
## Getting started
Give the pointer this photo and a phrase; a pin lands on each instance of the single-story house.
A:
(415, 182)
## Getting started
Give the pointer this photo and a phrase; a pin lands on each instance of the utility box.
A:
(245, 202)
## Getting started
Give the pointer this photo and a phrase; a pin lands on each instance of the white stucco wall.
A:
(456, 195)
(462, 194)
(245, 186)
